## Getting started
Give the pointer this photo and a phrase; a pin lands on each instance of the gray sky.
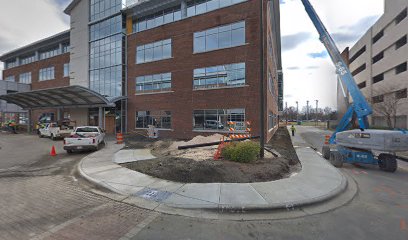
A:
(308, 71)
(25, 21)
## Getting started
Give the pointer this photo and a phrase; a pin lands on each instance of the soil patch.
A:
(197, 165)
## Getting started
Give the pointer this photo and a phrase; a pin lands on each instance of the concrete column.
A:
(60, 48)
(183, 9)
(100, 118)
(29, 123)
(59, 114)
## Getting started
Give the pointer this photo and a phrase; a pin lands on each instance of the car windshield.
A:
(87, 130)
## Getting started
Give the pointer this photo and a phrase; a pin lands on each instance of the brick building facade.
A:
(186, 67)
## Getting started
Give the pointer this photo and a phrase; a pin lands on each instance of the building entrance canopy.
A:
(63, 97)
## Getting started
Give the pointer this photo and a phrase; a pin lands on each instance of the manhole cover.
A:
(153, 194)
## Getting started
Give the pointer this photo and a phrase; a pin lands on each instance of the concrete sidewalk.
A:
(317, 181)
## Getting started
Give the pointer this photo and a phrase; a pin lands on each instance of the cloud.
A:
(312, 67)
(23, 22)
(293, 68)
(63, 3)
(290, 42)
(351, 33)
(322, 54)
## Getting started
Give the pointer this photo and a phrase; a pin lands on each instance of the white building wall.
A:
(79, 62)
(392, 58)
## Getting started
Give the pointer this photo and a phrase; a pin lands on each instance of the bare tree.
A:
(386, 103)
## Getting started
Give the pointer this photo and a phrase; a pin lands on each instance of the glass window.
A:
(106, 28)
(154, 51)
(159, 18)
(25, 78)
(28, 59)
(103, 8)
(272, 120)
(159, 119)
(220, 37)
(66, 69)
(196, 7)
(219, 76)
(217, 119)
(153, 83)
(46, 74)
(11, 63)
(10, 78)
(49, 53)
(65, 47)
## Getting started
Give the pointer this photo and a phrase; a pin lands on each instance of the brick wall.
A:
(34, 68)
(59, 81)
(183, 99)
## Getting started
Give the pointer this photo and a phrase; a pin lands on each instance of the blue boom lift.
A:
(356, 146)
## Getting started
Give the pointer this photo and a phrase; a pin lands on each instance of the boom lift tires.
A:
(387, 162)
(326, 152)
(336, 159)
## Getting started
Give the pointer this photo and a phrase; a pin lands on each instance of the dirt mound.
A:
(197, 165)
(197, 140)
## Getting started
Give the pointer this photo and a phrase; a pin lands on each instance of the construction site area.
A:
(200, 164)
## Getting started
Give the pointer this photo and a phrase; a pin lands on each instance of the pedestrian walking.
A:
(293, 129)
(12, 126)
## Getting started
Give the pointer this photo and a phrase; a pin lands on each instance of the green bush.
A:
(244, 152)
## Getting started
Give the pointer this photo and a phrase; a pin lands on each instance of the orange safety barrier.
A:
(326, 139)
(119, 138)
(218, 153)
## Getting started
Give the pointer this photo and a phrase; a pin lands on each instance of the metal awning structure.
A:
(62, 97)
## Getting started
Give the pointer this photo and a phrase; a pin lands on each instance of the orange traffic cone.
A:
(53, 152)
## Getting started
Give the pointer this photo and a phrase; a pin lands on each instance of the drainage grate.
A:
(153, 194)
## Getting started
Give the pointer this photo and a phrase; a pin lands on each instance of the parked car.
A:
(57, 130)
(213, 124)
(85, 138)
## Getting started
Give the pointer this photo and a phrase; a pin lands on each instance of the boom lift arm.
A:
(360, 106)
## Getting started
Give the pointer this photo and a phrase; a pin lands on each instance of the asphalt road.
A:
(44, 198)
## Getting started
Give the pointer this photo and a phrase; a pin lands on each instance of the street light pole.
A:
(307, 110)
(317, 105)
(297, 111)
(261, 84)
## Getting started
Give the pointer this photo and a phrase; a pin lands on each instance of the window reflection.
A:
(217, 120)
(153, 83)
(219, 76)
(153, 51)
(220, 37)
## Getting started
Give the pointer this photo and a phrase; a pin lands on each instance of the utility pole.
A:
(286, 110)
(307, 110)
(261, 85)
(317, 105)
(297, 111)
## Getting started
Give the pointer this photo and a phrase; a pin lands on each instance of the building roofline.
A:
(59, 37)
(145, 7)
(71, 6)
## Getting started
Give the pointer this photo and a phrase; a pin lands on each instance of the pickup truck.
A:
(85, 138)
(55, 131)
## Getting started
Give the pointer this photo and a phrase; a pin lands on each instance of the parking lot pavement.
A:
(22, 149)
(41, 197)
(47, 200)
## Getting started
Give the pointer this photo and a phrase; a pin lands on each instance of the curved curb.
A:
(208, 206)
(336, 199)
